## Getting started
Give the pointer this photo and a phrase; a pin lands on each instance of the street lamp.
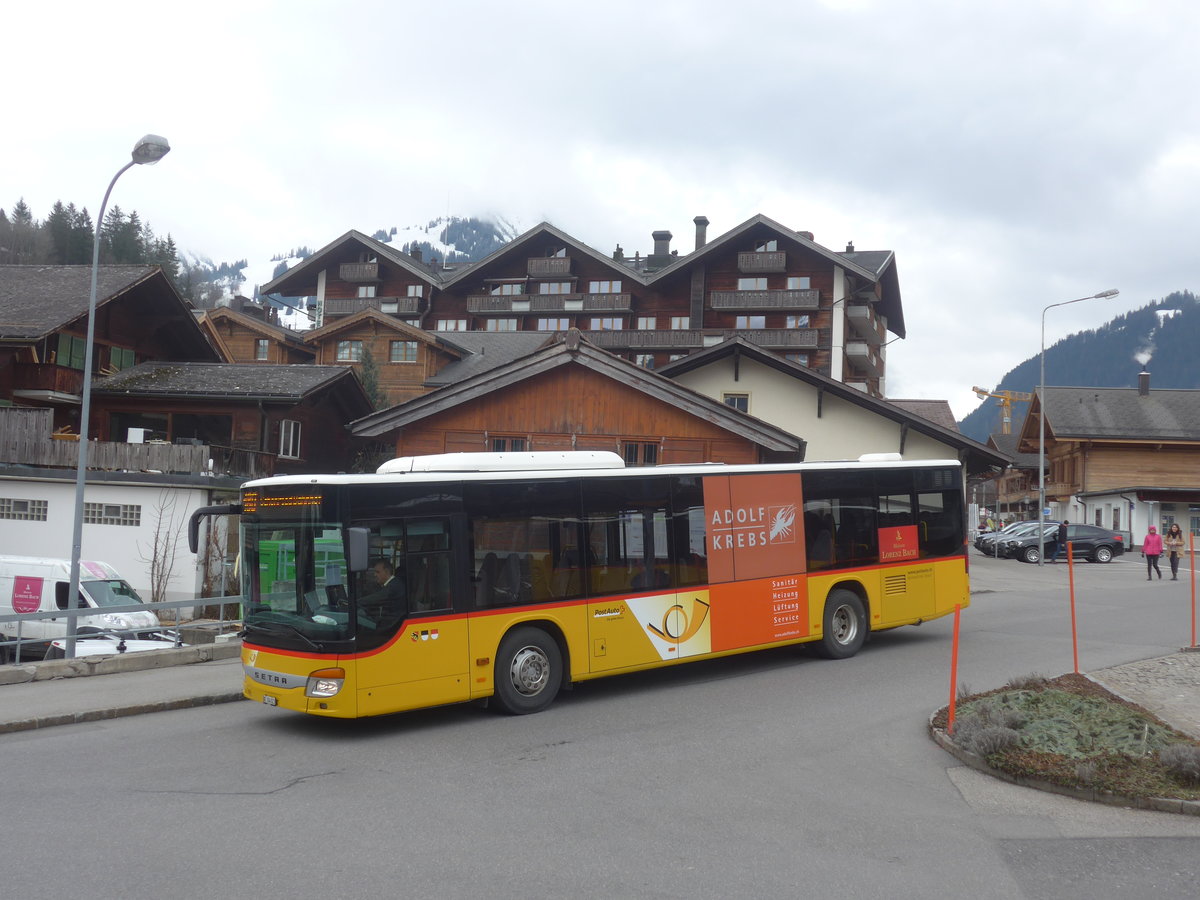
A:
(149, 150)
(1103, 295)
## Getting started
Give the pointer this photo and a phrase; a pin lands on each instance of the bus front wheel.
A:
(528, 671)
(844, 626)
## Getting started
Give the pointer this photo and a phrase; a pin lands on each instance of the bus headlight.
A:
(325, 683)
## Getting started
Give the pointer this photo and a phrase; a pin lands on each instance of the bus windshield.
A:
(294, 583)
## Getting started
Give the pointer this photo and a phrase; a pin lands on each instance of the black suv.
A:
(1091, 542)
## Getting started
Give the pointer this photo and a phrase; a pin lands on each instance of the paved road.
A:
(772, 775)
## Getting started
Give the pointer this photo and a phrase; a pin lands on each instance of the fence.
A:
(180, 633)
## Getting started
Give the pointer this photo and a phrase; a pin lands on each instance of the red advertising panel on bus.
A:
(754, 531)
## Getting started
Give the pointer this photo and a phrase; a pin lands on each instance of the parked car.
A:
(986, 543)
(1090, 542)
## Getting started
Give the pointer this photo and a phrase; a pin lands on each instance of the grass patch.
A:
(1071, 731)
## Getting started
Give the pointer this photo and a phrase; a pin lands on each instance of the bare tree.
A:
(163, 549)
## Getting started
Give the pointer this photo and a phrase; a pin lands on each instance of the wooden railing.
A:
(806, 299)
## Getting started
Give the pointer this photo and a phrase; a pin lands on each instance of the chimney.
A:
(701, 231)
(662, 242)
(807, 235)
(1143, 383)
(850, 247)
(415, 253)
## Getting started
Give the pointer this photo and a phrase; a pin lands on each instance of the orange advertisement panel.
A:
(898, 543)
(763, 611)
(753, 526)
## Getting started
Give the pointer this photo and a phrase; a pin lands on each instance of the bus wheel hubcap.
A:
(530, 670)
(845, 626)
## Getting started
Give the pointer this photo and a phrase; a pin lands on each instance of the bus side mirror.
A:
(358, 545)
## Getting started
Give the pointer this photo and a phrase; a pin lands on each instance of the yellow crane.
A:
(1006, 399)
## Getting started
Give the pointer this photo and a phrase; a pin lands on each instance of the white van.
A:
(41, 584)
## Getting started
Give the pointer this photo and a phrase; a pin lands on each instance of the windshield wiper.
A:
(292, 628)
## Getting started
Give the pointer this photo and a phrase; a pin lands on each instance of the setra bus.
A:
(507, 576)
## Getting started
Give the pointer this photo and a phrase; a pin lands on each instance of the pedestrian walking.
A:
(1152, 547)
(1173, 544)
(1060, 542)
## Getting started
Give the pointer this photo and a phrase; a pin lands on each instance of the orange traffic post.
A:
(1074, 630)
(1192, 568)
(953, 670)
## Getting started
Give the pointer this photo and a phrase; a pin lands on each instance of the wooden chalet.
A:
(838, 421)
(1122, 458)
(407, 359)
(256, 418)
(775, 287)
(574, 395)
(43, 331)
(243, 338)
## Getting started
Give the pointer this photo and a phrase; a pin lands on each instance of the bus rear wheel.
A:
(528, 671)
(844, 626)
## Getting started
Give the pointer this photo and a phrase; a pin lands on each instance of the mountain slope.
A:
(1162, 337)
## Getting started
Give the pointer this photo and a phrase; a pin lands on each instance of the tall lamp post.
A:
(149, 150)
(1111, 292)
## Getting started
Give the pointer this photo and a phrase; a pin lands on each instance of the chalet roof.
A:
(487, 350)
(977, 455)
(1007, 444)
(266, 329)
(934, 410)
(1121, 414)
(386, 322)
(233, 381)
(572, 349)
(36, 301)
(301, 279)
(519, 244)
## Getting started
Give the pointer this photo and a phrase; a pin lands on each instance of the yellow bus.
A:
(505, 577)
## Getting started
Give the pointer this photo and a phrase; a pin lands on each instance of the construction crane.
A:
(1006, 399)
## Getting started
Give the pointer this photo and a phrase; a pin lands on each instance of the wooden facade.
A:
(545, 413)
(405, 356)
(244, 339)
(771, 285)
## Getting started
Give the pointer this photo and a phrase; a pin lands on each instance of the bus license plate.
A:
(269, 700)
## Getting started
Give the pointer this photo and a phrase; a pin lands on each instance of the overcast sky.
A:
(1012, 156)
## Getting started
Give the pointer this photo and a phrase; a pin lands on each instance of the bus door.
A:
(417, 647)
(642, 608)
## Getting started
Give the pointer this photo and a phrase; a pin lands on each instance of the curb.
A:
(48, 670)
(117, 712)
(979, 764)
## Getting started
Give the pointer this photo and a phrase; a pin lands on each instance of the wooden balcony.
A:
(348, 306)
(695, 338)
(359, 272)
(1059, 490)
(764, 300)
(761, 263)
(548, 266)
(509, 304)
(31, 379)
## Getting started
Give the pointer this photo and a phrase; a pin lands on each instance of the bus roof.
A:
(598, 464)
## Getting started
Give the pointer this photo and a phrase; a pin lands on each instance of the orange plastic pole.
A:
(953, 670)
(1074, 631)
(1192, 567)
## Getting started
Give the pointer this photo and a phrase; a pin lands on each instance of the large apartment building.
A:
(775, 287)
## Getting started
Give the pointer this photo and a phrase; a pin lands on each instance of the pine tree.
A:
(23, 245)
(58, 227)
(368, 373)
(79, 247)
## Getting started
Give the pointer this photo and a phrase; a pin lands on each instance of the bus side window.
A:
(428, 564)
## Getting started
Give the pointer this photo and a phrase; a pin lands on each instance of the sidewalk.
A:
(178, 680)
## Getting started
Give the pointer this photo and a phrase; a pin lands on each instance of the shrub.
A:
(1182, 761)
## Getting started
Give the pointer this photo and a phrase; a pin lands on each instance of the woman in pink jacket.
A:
(1152, 550)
